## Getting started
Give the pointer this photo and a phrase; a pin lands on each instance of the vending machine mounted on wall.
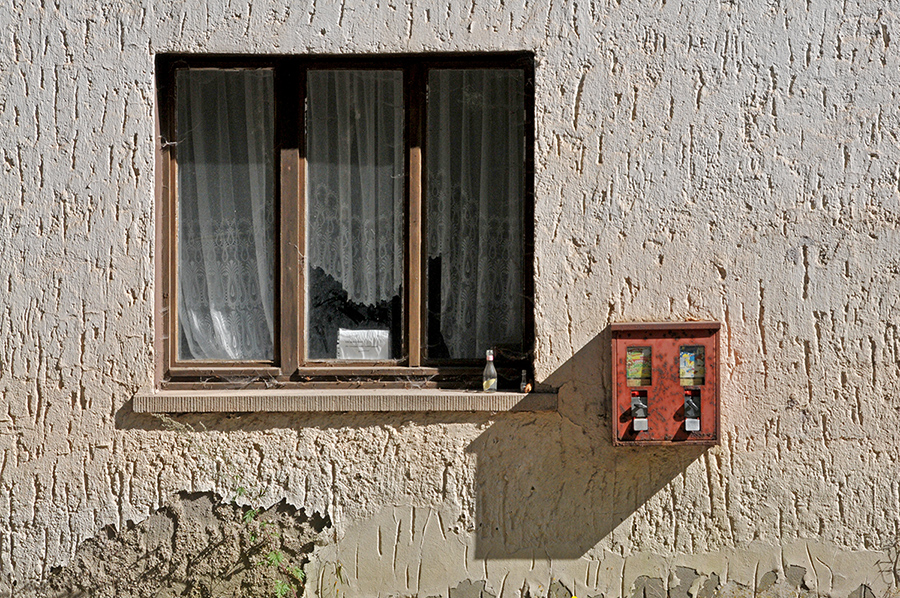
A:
(665, 383)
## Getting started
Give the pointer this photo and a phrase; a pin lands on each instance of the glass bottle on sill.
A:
(490, 374)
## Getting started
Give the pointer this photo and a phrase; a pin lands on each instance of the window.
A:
(345, 220)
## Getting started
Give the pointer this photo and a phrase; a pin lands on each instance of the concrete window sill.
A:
(250, 401)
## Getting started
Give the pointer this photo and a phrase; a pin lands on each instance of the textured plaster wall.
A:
(730, 160)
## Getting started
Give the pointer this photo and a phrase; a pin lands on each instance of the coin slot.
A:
(692, 409)
(639, 410)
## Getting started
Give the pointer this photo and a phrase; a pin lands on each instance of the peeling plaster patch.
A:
(794, 575)
(469, 589)
(648, 587)
(862, 591)
(767, 581)
(558, 590)
(196, 545)
(685, 577)
(710, 587)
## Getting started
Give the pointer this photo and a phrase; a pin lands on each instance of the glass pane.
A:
(638, 366)
(225, 214)
(474, 206)
(692, 365)
(355, 188)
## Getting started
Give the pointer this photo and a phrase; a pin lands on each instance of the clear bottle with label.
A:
(490, 374)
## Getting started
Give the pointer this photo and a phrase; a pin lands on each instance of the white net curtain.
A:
(355, 189)
(475, 162)
(225, 214)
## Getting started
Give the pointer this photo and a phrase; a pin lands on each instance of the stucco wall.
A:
(729, 160)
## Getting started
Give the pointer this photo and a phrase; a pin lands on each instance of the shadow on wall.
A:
(553, 486)
(548, 485)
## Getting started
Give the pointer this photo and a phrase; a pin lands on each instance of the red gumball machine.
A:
(665, 383)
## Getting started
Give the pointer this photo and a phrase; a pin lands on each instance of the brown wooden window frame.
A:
(290, 368)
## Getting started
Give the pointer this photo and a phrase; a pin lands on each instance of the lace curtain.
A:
(475, 197)
(355, 210)
(225, 214)
(356, 185)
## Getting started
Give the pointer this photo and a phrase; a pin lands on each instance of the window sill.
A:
(254, 401)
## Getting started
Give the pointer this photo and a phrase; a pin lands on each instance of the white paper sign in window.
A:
(363, 344)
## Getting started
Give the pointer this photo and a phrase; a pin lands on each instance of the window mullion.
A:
(169, 176)
(300, 295)
(169, 296)
(291, 184)
(416, 111)
(288, 126)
